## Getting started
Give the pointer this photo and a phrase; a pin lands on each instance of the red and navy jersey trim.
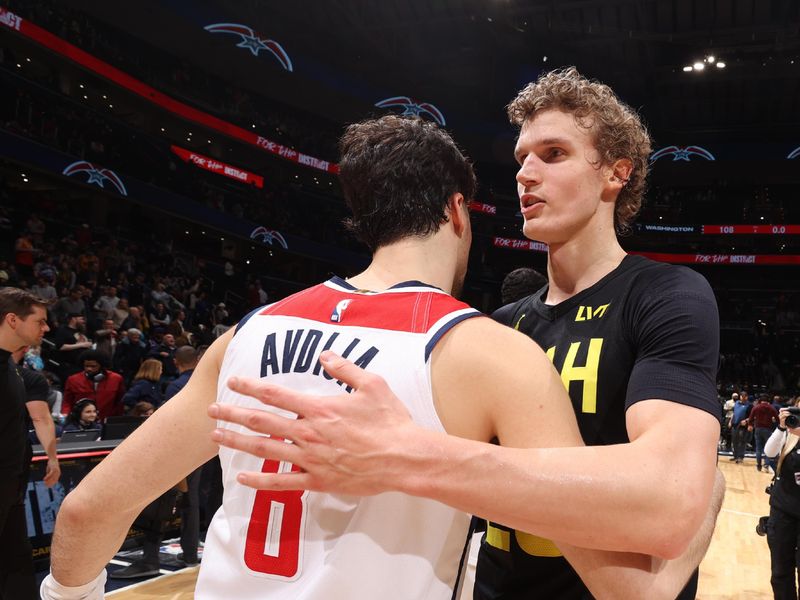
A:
(410, 306)
(447, 327)
(246, 318)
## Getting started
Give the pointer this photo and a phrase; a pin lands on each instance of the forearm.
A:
(46, 432)
(622, 497)
(618, 575)
(75, 346)
(85, 539)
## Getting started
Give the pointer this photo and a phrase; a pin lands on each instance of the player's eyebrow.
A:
(552, 141)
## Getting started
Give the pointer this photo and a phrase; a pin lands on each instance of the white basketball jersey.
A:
(308, 545)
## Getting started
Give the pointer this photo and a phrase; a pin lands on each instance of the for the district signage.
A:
(220, 168)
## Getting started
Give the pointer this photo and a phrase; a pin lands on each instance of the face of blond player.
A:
(564, 189)
(31, 329)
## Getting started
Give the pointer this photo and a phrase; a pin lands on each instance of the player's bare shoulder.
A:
(480, 370)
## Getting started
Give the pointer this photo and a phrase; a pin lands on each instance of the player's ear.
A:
(458, 213)
(620, 172)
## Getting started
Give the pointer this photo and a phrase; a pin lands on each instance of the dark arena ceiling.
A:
(469, 58)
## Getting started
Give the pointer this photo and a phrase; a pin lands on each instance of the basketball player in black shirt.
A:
(633, 335)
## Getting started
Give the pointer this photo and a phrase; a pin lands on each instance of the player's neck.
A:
(579, 263)
(408, 260)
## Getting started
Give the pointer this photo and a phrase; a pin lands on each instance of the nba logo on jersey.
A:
(338, 312)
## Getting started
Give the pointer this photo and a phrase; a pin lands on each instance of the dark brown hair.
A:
(19, 302)
(397, 175)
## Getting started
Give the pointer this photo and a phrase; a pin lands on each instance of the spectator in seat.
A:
(121, 313)
(70, 340)
(72, 304)
(97, 383)
(146, 385)
(82, 417)
(133, 320)
(106, 303)
(106, 339)
(44, 290)
(129, 354)
(165, 352)
(159, 317)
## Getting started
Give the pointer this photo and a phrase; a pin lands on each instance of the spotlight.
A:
(720, 65)
(688, 68)
(710, 58)
(698, 66)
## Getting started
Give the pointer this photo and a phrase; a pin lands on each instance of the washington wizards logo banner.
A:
(97, 175)
(252, 42)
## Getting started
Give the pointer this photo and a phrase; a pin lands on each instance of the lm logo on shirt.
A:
(587, 313)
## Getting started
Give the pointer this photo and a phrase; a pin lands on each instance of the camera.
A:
(761, 528)
(792, 420)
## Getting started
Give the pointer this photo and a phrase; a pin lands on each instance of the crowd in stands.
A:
(126, 320)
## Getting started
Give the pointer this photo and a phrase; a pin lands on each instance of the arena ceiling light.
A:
(700, 65)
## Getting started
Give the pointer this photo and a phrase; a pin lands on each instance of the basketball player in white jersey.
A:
(408, 186)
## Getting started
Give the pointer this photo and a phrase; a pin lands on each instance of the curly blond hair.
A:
(615, 128)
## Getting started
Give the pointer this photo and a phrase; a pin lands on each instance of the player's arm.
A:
(623, 576)
(45, 429)
(175, 440)
(530, 408)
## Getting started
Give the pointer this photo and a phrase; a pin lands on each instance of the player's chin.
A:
(535, 229)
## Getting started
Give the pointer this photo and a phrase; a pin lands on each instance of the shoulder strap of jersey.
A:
(446, 322)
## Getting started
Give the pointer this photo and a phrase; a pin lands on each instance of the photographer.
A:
(783, 527)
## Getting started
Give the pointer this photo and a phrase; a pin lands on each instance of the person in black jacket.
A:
(129, 354)
(783, 527)
(23, 321)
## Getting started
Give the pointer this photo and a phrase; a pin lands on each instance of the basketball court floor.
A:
(735, 568)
